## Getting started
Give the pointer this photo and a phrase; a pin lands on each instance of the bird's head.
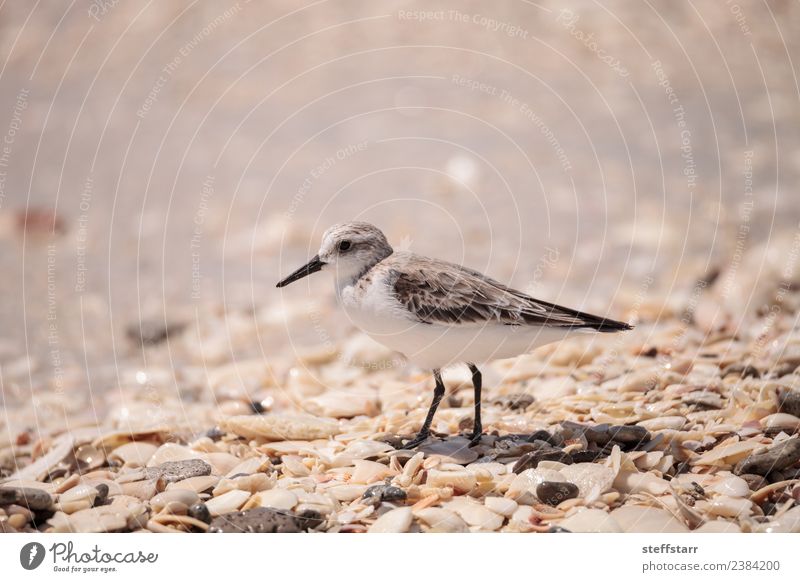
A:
(348, 249)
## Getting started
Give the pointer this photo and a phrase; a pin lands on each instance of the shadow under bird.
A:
(437, 313)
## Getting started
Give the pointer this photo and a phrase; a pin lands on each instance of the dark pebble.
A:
(532, 459)
(378, 493)
(558, 529)
(543, 435)
(33, 499)
(172, 471)
(102, 494)
(741, 370)
(629, 434)
(776, 458)
(755, 482)
(257, 520)
(151, 333)
(200, 512)
(215, 433)
(553, 492)
(257, 407)
(516, 401)
(789, 402)
(588, 456)
(309, 519)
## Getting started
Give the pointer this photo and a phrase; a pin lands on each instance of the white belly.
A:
(436, 346)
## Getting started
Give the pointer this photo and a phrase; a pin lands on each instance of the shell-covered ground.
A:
(687, 423)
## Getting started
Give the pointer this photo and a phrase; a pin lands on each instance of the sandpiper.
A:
(437, 313)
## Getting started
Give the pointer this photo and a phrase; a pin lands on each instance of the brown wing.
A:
(440, 292)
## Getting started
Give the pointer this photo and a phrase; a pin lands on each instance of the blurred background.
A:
(165, 162)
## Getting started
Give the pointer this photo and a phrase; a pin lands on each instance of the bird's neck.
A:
(351, 277)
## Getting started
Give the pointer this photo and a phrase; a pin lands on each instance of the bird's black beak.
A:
(312, 266)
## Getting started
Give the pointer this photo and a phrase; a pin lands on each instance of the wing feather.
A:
(445, 293)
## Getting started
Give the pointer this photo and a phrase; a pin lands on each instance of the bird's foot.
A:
(475, 438)
(416, 441)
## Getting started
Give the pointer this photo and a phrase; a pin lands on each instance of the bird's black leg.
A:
(477, 427)
(425, 431)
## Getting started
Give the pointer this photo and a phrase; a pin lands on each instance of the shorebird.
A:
(437, 313)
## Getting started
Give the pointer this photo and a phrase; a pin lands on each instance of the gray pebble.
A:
(33, 499)
(257, 520)
(629, 434)
(789, 402)
(378, 493)
(172, 471)
(200, 512)
(776, 458)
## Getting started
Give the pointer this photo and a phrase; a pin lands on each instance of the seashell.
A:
(635, 482)
(718, 526)
(501, 505)
(90, 457)
(344, 403)
(221, 463)
(143, 490)
(121, 514)
(171, 452)
(281, 427)
(250, 466)
(275, 498)
(590, 521)
(393, 521)
(83, 492)
(731, 486)
(293, 466)
(529, 479)
(170, 523)
(642, 519)
(60, 449)
(728, 454)
(135, 454)
(592, 479)
(197, 484)
(227, 502)
(788, 522)
(367, 472)
(460, 481)
(441, 520)
(725, 506)
(346, 492)
(185, 497)
(780, 422)
(664, 423)
(475, 514)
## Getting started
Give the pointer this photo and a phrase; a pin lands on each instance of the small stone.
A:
(256, 520)
(152, 332)
(553, 493)
(33, 499)
(102, 494)
(755, 482)
(629, 434)
(173, 471)
(200, 512)
(378, 493)
(516, 401)
(777, 457)
(789, 402)
(742, 370)
(532, 459)
(393, 521)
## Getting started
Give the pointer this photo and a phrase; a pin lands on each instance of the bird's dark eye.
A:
(344, 245)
